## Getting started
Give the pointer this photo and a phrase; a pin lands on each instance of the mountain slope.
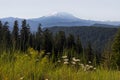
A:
(98, 36)
(62, 19)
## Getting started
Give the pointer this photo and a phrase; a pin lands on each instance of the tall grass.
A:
(32, 66)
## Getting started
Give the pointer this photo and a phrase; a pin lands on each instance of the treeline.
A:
(22, 39)
(97, 36)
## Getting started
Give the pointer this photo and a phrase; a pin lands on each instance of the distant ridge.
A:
(103, 25)
(60, 19)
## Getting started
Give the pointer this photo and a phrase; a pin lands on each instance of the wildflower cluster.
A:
(76, 63)
(87, 67)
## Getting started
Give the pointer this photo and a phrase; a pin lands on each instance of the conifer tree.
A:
(89, 51)
(6, 36)
(25, 35)
(32, 41)
(70, 41)
(116, 50)
(59, 43)
(79, 48)
(39, 38)
(1, 35)
(48, 41)
(1, 32)
(15, 35)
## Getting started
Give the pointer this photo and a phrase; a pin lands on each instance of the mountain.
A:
(66, 19)
(62, 19)
(59, 19)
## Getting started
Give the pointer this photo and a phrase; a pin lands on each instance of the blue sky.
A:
(85, 9)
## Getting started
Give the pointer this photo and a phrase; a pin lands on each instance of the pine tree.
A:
(116, 50)
(1, 26)
(15, 35)
(79, 48)
(89, 51)
(39, 38)
(59, 43)
(48, 41)
(25, 35)
(1, 35)
(116, 43)
(70, 41)
(32, 41)
(6, 36)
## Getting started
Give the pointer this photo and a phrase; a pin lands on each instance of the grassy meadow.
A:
(33, 66)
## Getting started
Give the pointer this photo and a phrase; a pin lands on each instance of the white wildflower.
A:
(21, 78)
(77, 60)
(94, 68)
(89, 62)
(73, 59)
(91, 66)
(87, 65)
(59, 61)
(73, 62)
(64, 57)
(66, 62)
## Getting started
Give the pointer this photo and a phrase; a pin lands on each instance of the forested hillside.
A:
(99, 37)
(58, 50)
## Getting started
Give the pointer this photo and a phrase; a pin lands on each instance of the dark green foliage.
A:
(47, 41)
(70, 42)
(98, 36)
(116, 50)
(15, 35)
(6, 39)
(60, 41)
(32, 40)
(1, 36)
(25, 36)
(1, 27)
(89, 53)
(39, 38)
(79, 48)
(116, 44)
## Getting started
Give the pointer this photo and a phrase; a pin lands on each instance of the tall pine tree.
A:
(39, 38)
(25, 36)
(48, 41)
(6, 36)
(59, 43)
(15, 35)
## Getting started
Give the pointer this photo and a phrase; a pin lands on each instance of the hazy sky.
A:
(85, 9)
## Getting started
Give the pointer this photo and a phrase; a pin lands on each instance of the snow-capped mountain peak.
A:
(61, 14)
